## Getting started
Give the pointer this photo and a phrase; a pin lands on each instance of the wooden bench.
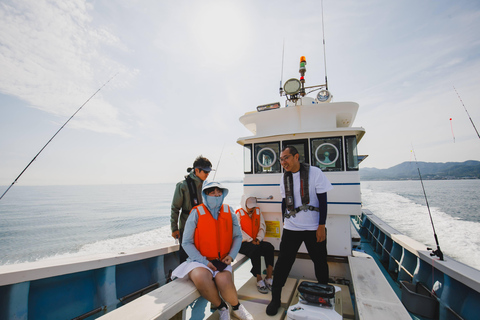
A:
(164, 302)
(374, 297)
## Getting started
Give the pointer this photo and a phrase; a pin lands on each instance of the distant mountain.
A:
(429, 171)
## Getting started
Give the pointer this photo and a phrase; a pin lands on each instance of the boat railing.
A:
(401, 262)
(96, 283)
(455, 285)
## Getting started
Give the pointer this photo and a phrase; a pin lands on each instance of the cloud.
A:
(52, 58)
(188, 69)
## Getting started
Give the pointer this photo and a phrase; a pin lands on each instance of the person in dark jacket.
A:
(188, 194)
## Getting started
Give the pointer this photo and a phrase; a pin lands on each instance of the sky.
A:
(175, 76)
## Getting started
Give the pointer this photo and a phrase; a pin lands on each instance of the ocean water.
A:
(454, 206)
(59, 221)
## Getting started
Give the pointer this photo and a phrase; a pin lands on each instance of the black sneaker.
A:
(273, 306)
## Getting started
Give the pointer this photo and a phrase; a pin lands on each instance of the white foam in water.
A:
(144, 239)
(154, 237)
(458, 239)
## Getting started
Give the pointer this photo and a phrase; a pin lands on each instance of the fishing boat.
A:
(377, 272)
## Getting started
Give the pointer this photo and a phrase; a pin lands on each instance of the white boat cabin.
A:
(324, 136)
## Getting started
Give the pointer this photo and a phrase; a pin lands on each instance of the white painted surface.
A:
(375, 299)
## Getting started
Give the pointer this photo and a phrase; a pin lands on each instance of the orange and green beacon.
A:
(303, 63)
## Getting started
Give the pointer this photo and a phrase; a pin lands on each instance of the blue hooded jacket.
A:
(213, 206)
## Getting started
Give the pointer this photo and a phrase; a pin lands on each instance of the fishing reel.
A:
(437, 253)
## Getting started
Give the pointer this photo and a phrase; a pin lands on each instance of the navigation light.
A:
(292, 86)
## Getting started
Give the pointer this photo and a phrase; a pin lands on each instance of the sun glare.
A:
(220, 31)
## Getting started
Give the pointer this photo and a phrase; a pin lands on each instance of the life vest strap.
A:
(226, 208)
(201, 210)
(192, 190)
(305, 208)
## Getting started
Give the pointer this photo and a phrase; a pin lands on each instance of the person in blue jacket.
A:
(209, 258)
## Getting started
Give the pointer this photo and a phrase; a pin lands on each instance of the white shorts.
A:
(184, 269)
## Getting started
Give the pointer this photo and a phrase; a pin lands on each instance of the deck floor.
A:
(256, 302)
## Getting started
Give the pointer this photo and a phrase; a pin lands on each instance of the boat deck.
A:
(256, 302)
(374, 298)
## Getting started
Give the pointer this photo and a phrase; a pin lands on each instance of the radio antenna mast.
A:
(281, 74)
(324, 54)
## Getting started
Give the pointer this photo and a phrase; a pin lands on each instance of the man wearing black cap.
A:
(188, 194)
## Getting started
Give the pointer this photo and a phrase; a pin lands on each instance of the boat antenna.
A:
(281, 74)
(34, 158)
(467, 112)
(324, 53)
(437, 252)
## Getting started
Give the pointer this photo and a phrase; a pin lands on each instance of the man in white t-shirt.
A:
(304, 207)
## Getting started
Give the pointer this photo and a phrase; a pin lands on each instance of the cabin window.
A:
(267, 157)
(247, 158)
(327, 153)
(301, 146)
(351, 152)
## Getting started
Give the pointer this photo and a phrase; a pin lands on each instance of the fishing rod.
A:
(467, 113)
(437, 252)
(218, 163)
(34, 158)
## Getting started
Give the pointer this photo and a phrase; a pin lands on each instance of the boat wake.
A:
(458, 238)
(144, 239)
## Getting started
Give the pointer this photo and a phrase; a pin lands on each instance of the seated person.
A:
(209, 259)
(253, 231)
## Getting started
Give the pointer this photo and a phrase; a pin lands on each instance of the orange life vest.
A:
(214, 238)
(250, 225)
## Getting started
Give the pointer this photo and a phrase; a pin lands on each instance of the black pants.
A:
(291, 242)
(255, 252)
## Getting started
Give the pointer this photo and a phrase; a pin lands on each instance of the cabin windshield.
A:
(301, 146)
(267, 157)
(351, 152)
(247, 158)
(333, 154)
(327, 153)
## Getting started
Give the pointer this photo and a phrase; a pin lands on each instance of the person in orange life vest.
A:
(212, 238)
(253, 246)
